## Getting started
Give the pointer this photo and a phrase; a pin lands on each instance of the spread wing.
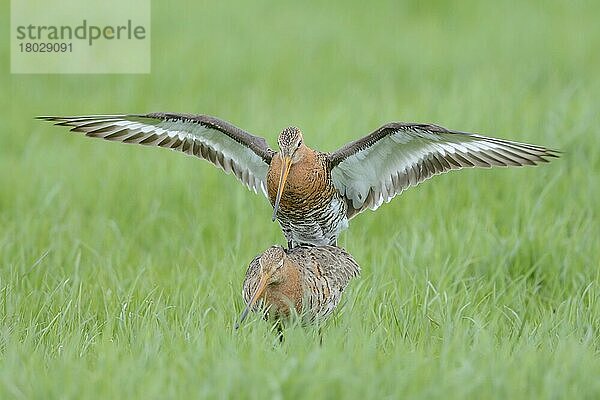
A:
(226, 146)
(379, 166)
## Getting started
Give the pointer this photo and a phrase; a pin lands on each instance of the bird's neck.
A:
(287, 293)
(308, 176)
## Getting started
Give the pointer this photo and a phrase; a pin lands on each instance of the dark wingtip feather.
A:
(554, 153)
(48, 118)
(549, 153)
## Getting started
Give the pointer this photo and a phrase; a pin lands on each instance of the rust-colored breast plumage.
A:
(279, 297)
(308, 183)
(286, 295)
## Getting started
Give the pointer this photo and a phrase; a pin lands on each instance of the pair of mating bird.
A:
(313, 194)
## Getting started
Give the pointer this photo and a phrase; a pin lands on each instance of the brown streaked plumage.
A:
(315, 194)
(308, 280)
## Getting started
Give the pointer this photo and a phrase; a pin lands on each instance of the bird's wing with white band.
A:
(223, 144)
(398, 155)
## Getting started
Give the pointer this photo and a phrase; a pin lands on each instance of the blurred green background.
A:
(121, 266)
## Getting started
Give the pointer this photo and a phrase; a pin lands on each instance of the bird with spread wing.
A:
(315, 194)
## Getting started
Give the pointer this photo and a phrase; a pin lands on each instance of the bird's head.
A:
(289, 140)
(291, 150)
(270, 263)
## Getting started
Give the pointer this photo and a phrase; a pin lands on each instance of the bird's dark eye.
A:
(299, 143)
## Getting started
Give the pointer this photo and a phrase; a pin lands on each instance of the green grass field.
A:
(121, 266)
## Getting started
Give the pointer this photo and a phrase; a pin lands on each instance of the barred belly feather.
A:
(315, 226)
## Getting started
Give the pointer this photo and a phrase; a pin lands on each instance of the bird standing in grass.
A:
(306, 280)
(315, 194)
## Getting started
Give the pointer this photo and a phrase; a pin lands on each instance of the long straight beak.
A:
(262, 285)
(285, 170)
